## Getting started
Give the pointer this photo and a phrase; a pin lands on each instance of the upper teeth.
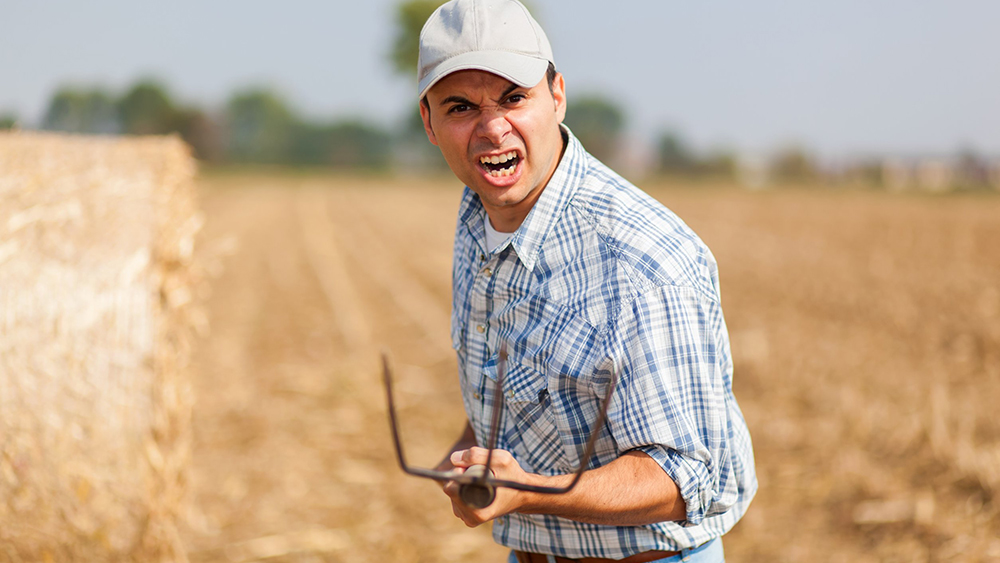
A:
(497, 159)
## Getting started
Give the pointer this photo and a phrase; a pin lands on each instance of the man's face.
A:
(500, 139)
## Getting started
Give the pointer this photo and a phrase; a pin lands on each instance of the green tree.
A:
(202, 132)
(146, 109)
(261, 127)
(720, 164)
(674, 156)
(8, 121)
(310, 144)
(412, 148)
(356, 144)
(81, 111)
(598, 122)
(410, 18)
(346, 144)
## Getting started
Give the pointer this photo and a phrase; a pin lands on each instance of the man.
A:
(584, 277)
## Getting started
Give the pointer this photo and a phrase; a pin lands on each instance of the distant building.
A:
(939, 174)
(636, 158)
(753, 171)
(896, 175)
(935, 175)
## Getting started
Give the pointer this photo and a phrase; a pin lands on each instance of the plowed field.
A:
(865, 329)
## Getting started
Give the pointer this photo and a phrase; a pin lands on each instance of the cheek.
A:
(529, 132)
(454, 141)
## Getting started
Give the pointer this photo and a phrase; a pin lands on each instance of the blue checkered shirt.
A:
(600, 278)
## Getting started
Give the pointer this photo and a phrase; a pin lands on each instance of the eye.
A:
(459, 108)
(516, 98)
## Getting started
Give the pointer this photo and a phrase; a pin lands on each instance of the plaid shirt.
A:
(601, 278)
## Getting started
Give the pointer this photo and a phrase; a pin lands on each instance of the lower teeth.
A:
(502, 172)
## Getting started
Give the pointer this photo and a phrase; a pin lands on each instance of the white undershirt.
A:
(494, 238)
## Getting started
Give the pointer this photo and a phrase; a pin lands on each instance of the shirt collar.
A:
(527, 240)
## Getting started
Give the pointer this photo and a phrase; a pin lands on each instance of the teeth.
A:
(498, 159)
(502, 172)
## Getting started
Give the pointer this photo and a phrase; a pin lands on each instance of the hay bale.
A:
(96, 311)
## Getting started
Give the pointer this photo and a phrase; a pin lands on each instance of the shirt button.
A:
(488, 272)
(476, 395)
(480, 329)
(511, 393)
(482, 257)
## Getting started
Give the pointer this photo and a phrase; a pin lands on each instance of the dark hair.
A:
(550, 77)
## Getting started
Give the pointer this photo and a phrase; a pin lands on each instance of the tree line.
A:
(255, 126)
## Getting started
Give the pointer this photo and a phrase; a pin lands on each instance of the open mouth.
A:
(499, 165)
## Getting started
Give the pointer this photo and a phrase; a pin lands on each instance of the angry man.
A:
(584, 277)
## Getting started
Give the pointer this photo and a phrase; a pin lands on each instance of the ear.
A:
(425, 115)
(559, 96)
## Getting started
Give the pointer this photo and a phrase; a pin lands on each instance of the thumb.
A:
(460, 458)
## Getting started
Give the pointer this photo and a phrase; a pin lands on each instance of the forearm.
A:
(633, 490)
(464, 442)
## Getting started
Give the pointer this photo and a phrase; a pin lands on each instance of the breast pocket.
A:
(529, 428)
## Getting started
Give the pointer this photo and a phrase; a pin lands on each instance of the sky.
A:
(844, 78)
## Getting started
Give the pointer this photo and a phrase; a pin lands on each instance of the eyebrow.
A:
(455, 100)
(461, 100)
(509, 89)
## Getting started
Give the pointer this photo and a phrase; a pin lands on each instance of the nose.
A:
(493, 125)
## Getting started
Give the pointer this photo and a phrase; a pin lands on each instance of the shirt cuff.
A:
(690, 477)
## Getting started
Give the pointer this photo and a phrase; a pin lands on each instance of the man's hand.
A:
(503, 466)
(630, 491)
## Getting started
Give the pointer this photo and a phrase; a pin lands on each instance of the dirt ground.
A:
(865, 331)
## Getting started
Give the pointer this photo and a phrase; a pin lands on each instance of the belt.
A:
(644, 557)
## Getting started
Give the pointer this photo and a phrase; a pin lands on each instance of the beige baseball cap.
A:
(497, 36)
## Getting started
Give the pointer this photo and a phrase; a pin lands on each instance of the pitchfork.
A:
(477, 485)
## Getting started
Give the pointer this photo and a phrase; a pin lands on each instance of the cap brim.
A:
(520, 69)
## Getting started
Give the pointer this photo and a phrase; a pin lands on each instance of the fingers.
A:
(450, 487)
(462, 460)
(468, 515)
(502, 466)
(465, 458)
(464, 513)
(477, 456)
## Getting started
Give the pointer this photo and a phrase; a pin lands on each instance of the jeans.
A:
(708, 552)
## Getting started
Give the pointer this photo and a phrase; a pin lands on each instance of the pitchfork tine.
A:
(477, 486)
(387, 379)
(498, 406)
(481, 492)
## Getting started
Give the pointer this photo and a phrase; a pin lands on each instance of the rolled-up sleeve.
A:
(674, 397)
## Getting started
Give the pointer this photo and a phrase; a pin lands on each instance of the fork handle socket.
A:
(477, 495)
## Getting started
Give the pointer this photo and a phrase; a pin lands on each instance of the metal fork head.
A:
(477, 484)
